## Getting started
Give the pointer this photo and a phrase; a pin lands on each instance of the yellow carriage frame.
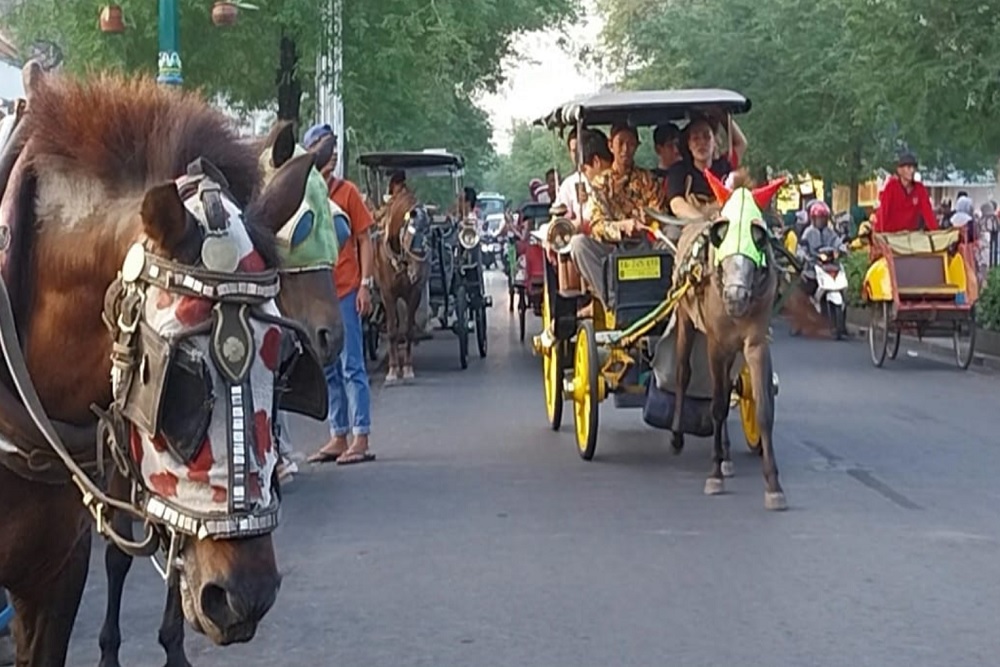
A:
(585, 360)
(924, 283)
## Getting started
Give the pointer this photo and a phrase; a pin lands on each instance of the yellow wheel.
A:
(586, 390)
(553, 361)
(748, 411)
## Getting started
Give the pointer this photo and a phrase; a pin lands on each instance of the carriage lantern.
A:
(225, 13)
(111, 19)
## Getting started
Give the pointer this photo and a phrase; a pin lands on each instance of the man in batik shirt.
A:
(616, 208)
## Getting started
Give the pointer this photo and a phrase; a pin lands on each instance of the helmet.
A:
(819, 208)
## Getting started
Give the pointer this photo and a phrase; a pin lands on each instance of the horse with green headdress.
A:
(730, 267)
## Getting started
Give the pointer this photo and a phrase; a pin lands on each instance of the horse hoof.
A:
(775, 502)
(728, 469)
(408, 373)
(391, 377)
(677, 444)
(714, 486)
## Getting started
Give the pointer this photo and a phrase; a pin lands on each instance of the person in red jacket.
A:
(904, 202)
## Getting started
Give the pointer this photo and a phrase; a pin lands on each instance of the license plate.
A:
(639, 268)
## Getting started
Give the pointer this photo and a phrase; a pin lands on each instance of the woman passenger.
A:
(688, 193)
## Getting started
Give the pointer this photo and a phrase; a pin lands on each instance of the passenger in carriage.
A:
(620, 191)
(688, 192)
(904, 202)
(667, 144)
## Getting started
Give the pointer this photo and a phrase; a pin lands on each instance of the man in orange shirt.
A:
(347, 379)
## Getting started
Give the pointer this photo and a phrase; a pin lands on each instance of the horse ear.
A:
(719, 189)
(284, 194)
(284, 146)
(763, 195)
(717, 232)
(164, 218)
(759, 235)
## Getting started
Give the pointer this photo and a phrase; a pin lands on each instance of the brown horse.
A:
(308, 295)
(401, 270)
(731, 269)
(97, 172)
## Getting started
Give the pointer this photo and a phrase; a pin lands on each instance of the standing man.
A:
(347, 378)
(904, 203)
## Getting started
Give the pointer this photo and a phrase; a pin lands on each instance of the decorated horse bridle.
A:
(192, 474)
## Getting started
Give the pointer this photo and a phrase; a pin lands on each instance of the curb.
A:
(979, 359)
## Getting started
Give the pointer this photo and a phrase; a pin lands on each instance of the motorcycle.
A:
(831, 288)
(490, 250)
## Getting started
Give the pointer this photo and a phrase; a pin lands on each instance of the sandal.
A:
(325, 457)
(350, 458)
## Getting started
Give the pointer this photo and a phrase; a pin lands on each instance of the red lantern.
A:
(224, 13)
(111, 19)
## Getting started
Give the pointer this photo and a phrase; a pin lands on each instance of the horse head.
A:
(124, 183)
(740, 242)
(308, 240)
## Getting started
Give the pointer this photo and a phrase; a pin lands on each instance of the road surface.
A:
(479, 538)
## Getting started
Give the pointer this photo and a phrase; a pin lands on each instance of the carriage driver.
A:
(620, 192)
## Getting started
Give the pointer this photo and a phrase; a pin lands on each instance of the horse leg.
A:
(719, 369)
(117, 564)
(171, 634)
(392, 333)
(412, 303)
(758, 356)
(682, 375)
(44, 616)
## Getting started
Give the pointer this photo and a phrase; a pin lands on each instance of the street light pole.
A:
(169, 34)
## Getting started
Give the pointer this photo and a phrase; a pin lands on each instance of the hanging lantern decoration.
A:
(111, 19)
(225, 14)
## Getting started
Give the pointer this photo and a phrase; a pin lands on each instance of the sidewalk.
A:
(986, 354)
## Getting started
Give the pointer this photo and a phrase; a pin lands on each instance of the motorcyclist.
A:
(819, 234)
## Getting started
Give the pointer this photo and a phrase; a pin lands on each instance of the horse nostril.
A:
(215, 605)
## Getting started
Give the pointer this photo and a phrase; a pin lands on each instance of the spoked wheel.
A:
(964, 337)
(462, 326)
(481, 331)
(522, 312)
(748, 412)
(553, 362)
(586, 390)
(894, 337)
(878, 333)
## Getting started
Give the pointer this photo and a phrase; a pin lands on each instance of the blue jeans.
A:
(347, 378)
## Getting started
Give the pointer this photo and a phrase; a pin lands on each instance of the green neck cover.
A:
(308, 239)
(740, 211)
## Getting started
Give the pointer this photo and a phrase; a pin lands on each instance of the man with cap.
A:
(904, 201)
(347, 378)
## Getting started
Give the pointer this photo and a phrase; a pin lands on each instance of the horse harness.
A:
(202, 368)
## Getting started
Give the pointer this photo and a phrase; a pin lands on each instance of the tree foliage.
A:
(239, 62)
(838, 87)
(411, 68)
(534, 151)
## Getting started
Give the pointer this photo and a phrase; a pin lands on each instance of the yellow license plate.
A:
(639, 268)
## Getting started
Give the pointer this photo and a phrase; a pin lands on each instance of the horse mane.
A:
(131, 133)
(742, 179)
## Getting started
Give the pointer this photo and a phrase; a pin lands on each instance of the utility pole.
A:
(329, 80)
(170, 73)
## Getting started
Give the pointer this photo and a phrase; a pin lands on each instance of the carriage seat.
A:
(920, 262)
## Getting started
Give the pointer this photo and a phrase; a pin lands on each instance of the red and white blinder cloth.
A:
(225, 489)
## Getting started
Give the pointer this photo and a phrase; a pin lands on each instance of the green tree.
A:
(238, 62)
(838, 87)
(534, 150)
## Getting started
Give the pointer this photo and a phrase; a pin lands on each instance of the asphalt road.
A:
(479, 538)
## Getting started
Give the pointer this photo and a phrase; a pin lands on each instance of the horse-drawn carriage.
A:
(626, 348)
(922, 283)
(455, 291)
(527, 263)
